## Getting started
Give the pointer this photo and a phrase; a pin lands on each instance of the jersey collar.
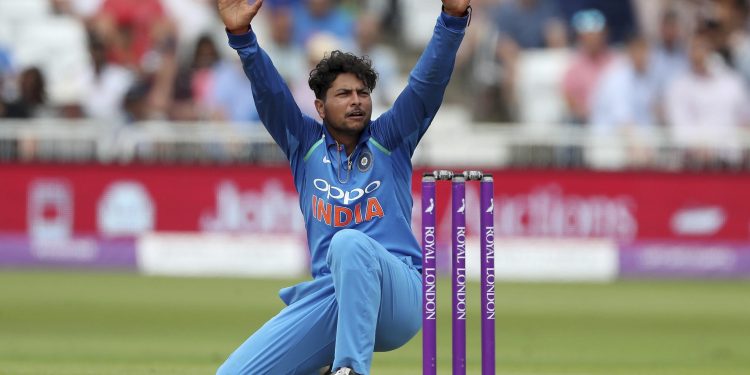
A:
(330, 141)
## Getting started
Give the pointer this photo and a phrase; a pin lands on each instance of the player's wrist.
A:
(239, 30)
(460, 13)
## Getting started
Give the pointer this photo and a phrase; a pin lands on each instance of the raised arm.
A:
(277, 109)
(417, 105)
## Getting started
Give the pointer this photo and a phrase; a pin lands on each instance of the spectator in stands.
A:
(7, 146)
(5, 72)
(194, 83)
(133, 28)
(524, 24)
(383, 59)
(281, 46)
(32, 96)
(104, 85)
(150, 97)
(626, 94)
(160, 75)
(650, 14)
(31, 102)
(528, 24)
(726, 25)
(620, 15)
(624, 102)
(478, 68)
(476, 38)
(183, 106)
(5, 60)
(707, 106)
(192, 19)
(203, 65)
(232, 96)
(669, 54)
(218, 87)
(136, 102)
(322, 16)
(592, 58)
(717, 33)
(739, 37)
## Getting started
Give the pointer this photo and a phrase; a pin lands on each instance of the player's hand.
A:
(237, 14)
(456, 8)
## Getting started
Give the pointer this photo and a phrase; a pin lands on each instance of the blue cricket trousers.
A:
(371, 301)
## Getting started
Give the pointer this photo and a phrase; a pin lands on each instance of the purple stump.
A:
(429, 277)
(487, 207)
(458, 274)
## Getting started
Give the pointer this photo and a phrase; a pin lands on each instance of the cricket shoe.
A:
(345, 371)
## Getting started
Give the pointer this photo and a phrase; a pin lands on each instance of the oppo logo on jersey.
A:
(349, 197)
(342, 216)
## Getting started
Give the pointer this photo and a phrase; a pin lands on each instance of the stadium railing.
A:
(448, 144)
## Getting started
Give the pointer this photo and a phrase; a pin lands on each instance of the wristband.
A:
(469, 9)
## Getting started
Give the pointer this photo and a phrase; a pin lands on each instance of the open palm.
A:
(237, 14)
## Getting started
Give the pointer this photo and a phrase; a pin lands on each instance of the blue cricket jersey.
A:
(370, 189)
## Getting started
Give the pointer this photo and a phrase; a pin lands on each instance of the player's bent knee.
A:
(348, 237)
(348, 244)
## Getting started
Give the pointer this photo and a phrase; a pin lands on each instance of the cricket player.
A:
(353, 176)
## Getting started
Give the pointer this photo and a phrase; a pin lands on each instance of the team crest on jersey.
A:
(365, 161)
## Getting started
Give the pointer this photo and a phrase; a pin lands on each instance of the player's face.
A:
(347, 106)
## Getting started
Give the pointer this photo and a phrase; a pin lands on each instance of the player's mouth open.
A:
(356, 114)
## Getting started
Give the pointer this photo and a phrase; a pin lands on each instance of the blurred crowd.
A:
(140, 60)
(624, 68)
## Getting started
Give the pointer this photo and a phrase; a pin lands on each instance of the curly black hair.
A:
(337, 62)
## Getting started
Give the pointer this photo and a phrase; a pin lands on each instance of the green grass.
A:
(91, 323)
